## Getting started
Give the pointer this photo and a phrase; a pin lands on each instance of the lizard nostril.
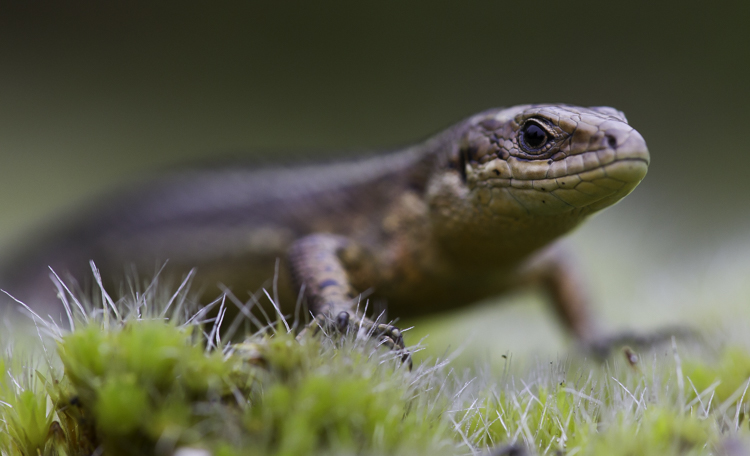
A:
(612, 141)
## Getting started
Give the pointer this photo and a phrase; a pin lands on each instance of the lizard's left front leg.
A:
(319, 263)
(554, 271)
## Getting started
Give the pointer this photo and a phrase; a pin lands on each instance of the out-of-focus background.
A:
(94, 95)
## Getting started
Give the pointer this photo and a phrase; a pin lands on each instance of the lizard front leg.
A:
(555, 272)
(321, 264)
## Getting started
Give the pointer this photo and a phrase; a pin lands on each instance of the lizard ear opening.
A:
(462, 159)
(458, 161)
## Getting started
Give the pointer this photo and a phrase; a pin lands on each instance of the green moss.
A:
(145, 384)
(150, 386)
(160, 356)
(659, 431)
(121, 406)
(26, 411)
(136, 381)
(27, 422)
(728, 374)
(343, 408)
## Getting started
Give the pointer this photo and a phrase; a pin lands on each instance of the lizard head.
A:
(551, 159)
(535, 171)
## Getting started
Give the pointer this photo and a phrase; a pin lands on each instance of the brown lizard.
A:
(472, 212)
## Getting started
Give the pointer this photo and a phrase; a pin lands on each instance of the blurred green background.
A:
(93, 95)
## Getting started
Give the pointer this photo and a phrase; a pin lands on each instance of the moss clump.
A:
(347, 402)
(151, 387)
(726, 376)
(27, 423)
(133, 383)
(658, 431)
(549, 415)
(144, 384)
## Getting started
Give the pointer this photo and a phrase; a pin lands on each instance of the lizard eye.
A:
(533, 136)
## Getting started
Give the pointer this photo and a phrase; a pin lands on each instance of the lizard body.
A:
(471, 212)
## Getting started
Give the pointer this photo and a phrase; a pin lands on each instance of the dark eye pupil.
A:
(534, 136)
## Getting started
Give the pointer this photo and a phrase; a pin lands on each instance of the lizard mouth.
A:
(592, 179)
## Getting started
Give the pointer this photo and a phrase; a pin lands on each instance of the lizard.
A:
(474, 211)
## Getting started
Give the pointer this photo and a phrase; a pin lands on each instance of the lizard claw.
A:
(389, 335)
(397, 346)
(343, 323)
(602, 347)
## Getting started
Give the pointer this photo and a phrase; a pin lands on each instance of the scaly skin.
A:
(470, 213)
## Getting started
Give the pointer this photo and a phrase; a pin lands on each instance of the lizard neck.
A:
(474, 233)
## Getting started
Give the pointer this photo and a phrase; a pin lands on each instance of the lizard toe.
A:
(343, 323)
(602, 347)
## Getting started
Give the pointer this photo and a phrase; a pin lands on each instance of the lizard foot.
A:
(603, 346)
(343, 323)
